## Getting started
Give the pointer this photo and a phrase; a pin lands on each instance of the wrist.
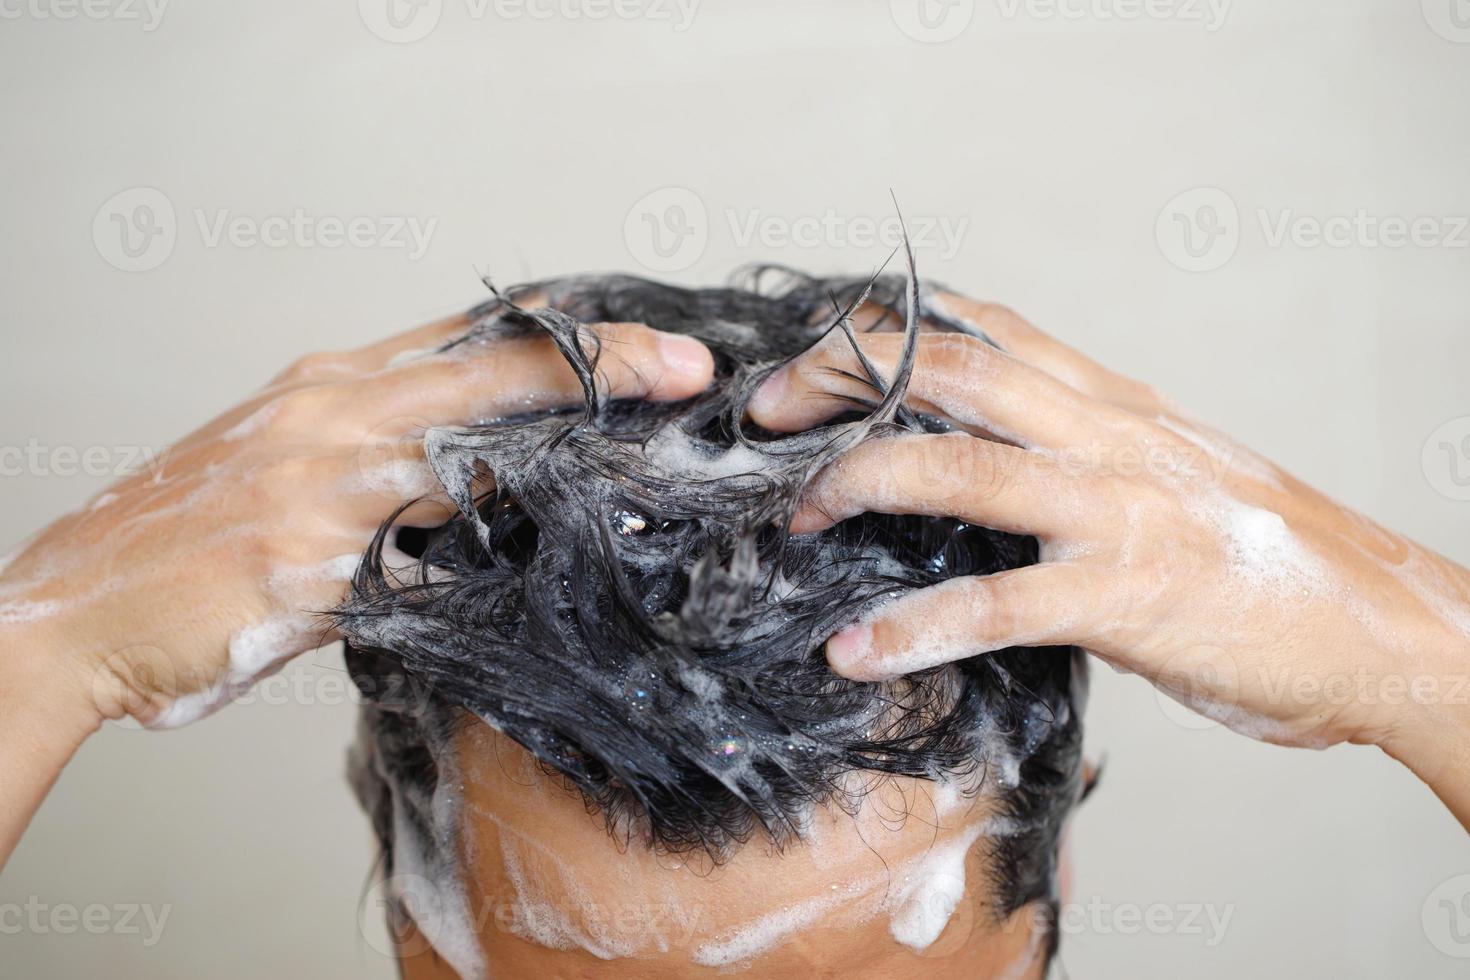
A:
(44, 718)
(46, 688)
(1431, 735)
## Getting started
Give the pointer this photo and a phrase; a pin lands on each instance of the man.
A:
(624, 744)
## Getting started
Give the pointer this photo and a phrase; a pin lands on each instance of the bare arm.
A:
(177, 588)
(1166, 549)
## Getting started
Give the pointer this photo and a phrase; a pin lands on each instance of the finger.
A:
(324, 367)
(962, 377)
(1018, 337)
(327, 366)
(957, 475)
(391, 470)
(1040, 605)
(474, 383)
(427, 339)
(420, 341)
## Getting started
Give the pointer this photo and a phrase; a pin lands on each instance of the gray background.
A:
(1056, 143)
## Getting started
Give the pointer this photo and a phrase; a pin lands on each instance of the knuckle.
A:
(620, 349)
(319, 366)
(987, 470)
(1145, 397)
(281, 484)
(617, 331)
(997, 313)
(302, 410)
(813, 371)
(998, 318)
(623, 340)
(943, 464)
(994, 609)
(954, 352)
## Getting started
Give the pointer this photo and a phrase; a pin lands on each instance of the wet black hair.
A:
(628, 605)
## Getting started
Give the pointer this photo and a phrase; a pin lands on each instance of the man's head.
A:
(628, 609)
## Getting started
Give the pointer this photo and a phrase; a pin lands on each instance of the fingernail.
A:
(849, 648)
(684, 355)
(770, 394)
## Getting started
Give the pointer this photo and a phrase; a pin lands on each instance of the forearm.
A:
(44, 718)
(1433, 736)
(1435, 745)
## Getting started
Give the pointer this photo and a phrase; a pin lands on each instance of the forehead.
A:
(545, 881)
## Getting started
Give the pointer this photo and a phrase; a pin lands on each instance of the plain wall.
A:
(1055, 148)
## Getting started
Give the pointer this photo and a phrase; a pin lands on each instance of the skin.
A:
(1166, 549)
(130, 607)
(666, 907)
